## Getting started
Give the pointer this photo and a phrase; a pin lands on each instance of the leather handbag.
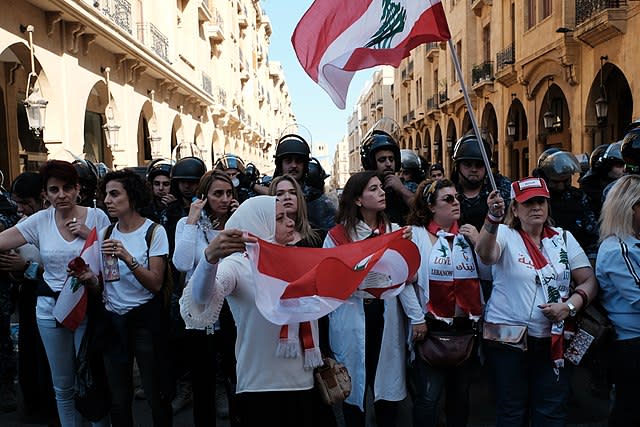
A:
(514, 336)
(445, 349)
(333, 381)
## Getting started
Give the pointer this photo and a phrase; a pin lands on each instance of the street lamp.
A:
(602, 107)
(511, 124)
(549, 118)
(111, 128)
(34, 104)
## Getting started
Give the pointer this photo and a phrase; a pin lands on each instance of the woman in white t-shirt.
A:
(449, 291)
(273, 388)
(135, 308)
(532, 265)
(59, 233)
(207, 216)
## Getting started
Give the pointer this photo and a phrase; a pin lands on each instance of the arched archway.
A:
(559, 135)
(619, 102)
(95, 146)
(146, 122)
(489, 125)
(418, 147)
(466, 124)
(426, 151)
(409, 144)
(438, 152)
(20, 148)
(518, 158)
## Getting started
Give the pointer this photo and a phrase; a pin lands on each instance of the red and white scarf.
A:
(554, 275)
(453, 277)
(303, 334)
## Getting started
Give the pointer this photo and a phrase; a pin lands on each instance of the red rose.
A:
(77, 265)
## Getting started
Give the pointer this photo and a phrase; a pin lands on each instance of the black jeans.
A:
(119, 368)
(626, 376)
(429, 384)
(527, 388)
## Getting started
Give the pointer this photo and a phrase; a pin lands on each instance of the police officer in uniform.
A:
(570, 206)
(470, 176)
(88, 174)
(379, 151)
(243, 177)
(293, 157)
(607, 165)
(411, 170)
(8, 365)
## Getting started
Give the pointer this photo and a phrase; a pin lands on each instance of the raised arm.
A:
(487, 246)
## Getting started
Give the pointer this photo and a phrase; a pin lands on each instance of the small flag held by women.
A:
(71, 307)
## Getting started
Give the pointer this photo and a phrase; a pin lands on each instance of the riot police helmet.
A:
(467, 148)
(560, 165)
(316, 175)
(546, 153)
(630, 150)
(158, 167)
(382, 136)
(188, 169)
(230, 161)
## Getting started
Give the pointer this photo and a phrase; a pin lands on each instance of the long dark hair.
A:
(348, 212)
(426, 194)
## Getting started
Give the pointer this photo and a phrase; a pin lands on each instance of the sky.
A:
(311, 105)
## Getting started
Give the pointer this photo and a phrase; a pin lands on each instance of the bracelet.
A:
(493, 219)
(583, 295)
(134, 266)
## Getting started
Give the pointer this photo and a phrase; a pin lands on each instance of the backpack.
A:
(167, 284)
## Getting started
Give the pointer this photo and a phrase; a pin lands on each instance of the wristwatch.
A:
(572, 308)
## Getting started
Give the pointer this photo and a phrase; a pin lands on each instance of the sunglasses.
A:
(450, 198)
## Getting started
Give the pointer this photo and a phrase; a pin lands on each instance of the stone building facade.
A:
(523, 61)
(192, 74)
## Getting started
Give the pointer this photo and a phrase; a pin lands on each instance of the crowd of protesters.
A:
(505, 269)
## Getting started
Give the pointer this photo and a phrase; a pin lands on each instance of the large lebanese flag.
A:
(296, 284)
(71, 307)
(335, 38)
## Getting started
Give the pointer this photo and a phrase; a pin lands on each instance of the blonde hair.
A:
(616, 218)
(302, 220)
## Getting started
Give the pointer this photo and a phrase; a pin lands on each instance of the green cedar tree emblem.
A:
(392, 22)
(554, 294)
(443, 249)
(564, 259)
(462, 244)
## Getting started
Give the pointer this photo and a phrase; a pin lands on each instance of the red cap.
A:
(527, 188)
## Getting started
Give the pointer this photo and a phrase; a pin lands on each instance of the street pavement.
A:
(585, 409)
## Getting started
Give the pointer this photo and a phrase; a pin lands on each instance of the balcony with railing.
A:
(432, 50)
(119, 11)
(379, 104)
(153, 38)
(482, 73)
(410, 69)
(506, 56)
(215, 30)
(600, 20)
(433, 103)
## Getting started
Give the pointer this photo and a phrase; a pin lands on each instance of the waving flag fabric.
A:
(71, 307)
(300, 284)
(335, 38)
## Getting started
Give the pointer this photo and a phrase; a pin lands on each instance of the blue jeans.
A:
(429, 384)
(61, 346)
(527, 388)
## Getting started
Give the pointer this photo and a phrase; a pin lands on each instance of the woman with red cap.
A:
(532, 266)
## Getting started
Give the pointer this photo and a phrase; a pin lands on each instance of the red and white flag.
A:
(296, 284)
(335, 38)
(71, 307)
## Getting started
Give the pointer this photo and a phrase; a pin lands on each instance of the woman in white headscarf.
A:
(273, 389)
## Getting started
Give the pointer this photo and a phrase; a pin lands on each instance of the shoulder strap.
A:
(108, 231)
(148, 237)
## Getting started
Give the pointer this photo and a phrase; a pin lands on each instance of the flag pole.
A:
(472, 116)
